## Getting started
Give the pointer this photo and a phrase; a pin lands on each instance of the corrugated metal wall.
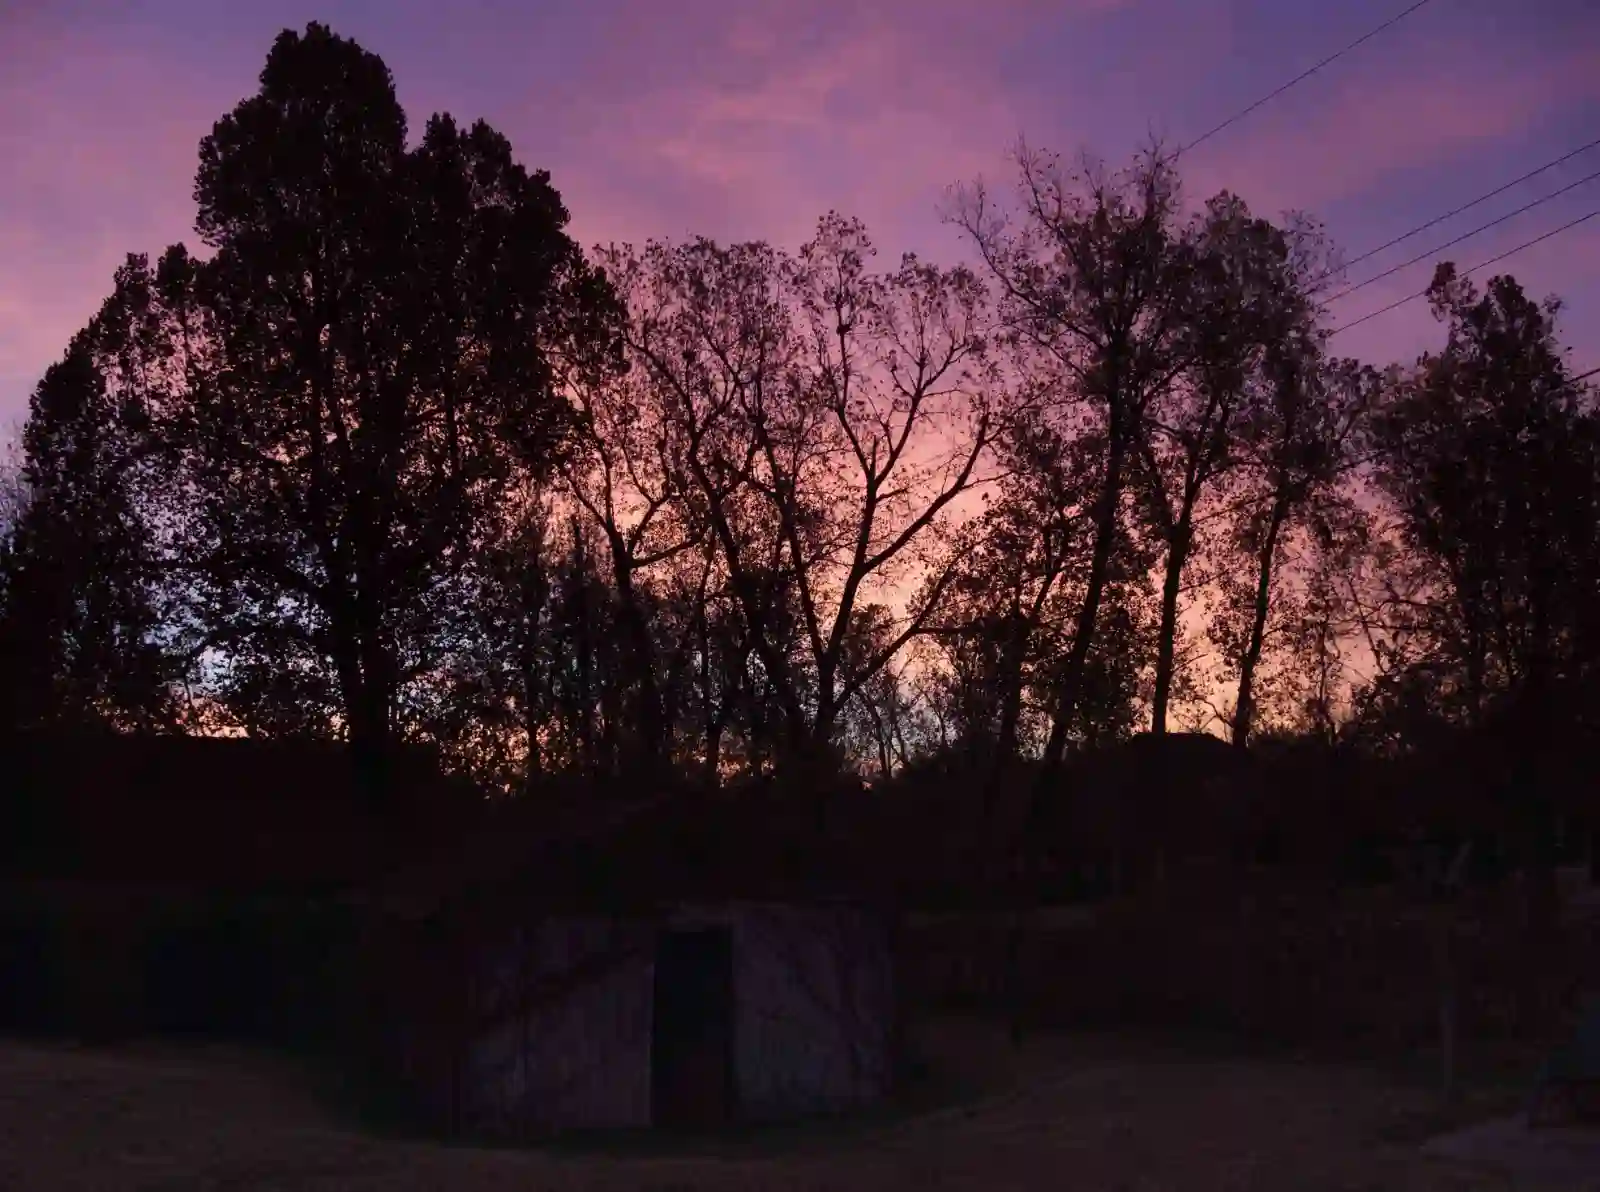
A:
(815, 1006)
(567, 1045)
(567, 1006)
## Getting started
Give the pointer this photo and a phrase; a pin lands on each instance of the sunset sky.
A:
(735, 120)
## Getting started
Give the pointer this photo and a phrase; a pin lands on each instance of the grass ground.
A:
(1063, 1113)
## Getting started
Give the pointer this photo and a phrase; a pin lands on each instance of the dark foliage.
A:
(905, 572)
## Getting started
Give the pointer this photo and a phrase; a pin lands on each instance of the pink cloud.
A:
(872, 109)
(734, 119)
(101, 145)
(1342, 145)
(883, 145)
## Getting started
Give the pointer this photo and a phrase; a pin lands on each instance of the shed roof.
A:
(669, 845)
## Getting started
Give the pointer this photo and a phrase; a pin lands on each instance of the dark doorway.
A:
(691, 1052)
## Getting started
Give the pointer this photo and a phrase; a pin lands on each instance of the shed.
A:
(683, 963)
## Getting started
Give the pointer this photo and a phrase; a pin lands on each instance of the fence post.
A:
(1449, 888)
(1444, 961)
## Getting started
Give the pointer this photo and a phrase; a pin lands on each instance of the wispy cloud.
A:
(749, 118)
(870, 108)
(1370, 128)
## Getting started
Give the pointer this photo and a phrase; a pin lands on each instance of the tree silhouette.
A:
(1298, 433)
(1247, 302)
(395, 461)
(816, 422)
(370, 366)
(1021, 573)
(81, 624)
(1487, 456)
(1094, 284)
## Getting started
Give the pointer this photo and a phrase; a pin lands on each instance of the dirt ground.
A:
(1064, 1113)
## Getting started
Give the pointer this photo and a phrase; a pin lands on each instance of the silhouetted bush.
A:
(108, 963)
(1360, 968)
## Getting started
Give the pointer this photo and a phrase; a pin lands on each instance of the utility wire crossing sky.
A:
(746, 119)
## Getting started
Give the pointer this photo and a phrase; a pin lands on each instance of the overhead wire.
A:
(1451, 214)
(1468, 272)
(1393, 269)
(1301, 77)
(1485, 197)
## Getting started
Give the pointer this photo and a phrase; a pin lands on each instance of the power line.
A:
(1361, 285)
(1468, 272)
(1483, 198)
(1301, 77)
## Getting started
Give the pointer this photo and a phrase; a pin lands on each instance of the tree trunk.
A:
(370, 728)
(642, 664)
(363, 705)
(1011, 696)
(1244, 713)
(1105, 536)
(584, 677)
(713, 755)
(805, 761)
(1167, 641)
(1005, 745)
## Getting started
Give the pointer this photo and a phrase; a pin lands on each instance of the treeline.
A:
(395, 460)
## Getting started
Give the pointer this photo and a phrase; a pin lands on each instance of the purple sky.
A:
(749, 119)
